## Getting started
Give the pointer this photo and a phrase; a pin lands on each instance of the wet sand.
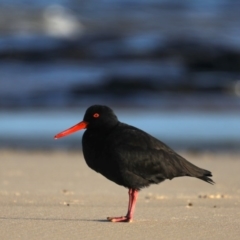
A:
(54, 195)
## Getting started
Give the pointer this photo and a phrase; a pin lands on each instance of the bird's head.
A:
(96, 117)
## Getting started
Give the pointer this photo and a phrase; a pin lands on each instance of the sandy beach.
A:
(54, 195)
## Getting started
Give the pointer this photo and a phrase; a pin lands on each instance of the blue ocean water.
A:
(50, 84)
(180, 129)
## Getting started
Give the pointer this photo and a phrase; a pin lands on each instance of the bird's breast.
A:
(93, 149)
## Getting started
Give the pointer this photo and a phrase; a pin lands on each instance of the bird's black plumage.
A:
(129, 156)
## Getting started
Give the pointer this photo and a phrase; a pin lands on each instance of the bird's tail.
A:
(194, 171)
(207, 179)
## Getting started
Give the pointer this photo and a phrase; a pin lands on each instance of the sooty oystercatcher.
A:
(129, 156)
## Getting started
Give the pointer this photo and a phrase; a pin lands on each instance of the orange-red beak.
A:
(71, 130)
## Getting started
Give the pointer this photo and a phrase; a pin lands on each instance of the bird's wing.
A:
(143, 155)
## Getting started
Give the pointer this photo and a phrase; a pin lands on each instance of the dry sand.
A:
(54, 195)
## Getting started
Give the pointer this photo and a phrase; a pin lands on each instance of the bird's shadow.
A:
(54, 219)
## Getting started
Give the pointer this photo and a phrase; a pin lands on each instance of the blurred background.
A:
(169, 67)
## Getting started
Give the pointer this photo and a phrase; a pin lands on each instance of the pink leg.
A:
(131, 206)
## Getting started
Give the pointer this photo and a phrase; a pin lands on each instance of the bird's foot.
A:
(120, 219)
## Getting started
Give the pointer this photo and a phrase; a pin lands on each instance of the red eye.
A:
(96, 115)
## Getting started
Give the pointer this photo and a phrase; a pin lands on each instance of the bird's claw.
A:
(119, 219)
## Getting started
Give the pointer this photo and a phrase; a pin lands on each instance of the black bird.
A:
(129, 156)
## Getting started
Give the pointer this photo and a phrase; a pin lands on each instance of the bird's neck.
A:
(103, 130)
